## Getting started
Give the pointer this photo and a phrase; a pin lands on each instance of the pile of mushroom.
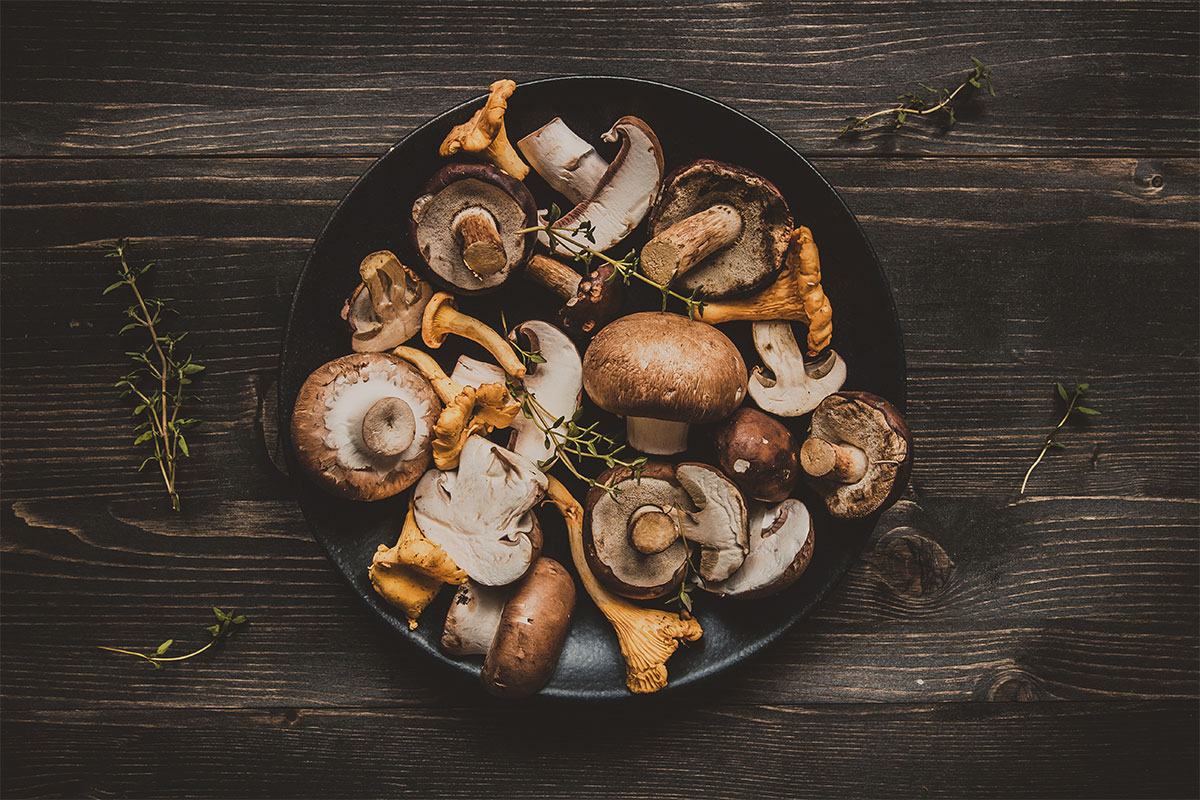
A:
(476, 446)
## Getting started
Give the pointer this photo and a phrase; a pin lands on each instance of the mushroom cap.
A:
(532, 631)
(759, 454)
(613, 559)
(369, 333)
(781, 547)
(717, 521)
(455, 188)
(327, 425)
(875, 426)
(664, 366)
(751, 260)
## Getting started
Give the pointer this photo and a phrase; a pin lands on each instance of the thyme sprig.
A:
(1073, 407)
(227, 624)
(928, 102)
(683, 597)
(626, 268)
(158, 377)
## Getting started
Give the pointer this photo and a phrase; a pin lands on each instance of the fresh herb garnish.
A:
(227, 624)
(1073, 407)
(158, 377)
(683, 598)
(929, 102)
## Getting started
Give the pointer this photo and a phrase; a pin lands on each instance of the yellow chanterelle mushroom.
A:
(484, 134)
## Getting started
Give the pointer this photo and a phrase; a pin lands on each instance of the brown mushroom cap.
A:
(456, 188)
(781, 547)
(327, 432)
(664, 366)
(876, 428)
(533, 629)
(758, 454)
(756, 255)
(607, 525)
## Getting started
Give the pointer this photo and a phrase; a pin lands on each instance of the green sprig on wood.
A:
(1073, 407)
(227, 624)
(158, 377)
(927, 103)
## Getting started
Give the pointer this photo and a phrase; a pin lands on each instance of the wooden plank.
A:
(666, 750)
(1087, 78)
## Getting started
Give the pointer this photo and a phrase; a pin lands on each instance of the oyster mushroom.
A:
(624, 193)
(758, 454)
(859, 453)
(794, 386)
(470, 225)
(647, 637)
(716, 228)
(591, 302)
(480, 513)
(570, 165)
(484, 134)
(663, 372)
(781, 547)
(385, 310)
(442, 318)
(362, 426)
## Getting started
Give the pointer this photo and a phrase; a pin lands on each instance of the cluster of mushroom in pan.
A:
(387, 417)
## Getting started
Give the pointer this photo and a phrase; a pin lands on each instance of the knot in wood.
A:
(1010, 685)
(911, 564)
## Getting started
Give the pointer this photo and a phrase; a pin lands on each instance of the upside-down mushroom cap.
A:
(328, 418)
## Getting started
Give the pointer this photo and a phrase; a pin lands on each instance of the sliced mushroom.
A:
(385, 310)
(570, 165)
(794, 386)
(469, 225)
(443, 318)
(480, 513)
(758, 454)
(647, 637)
(484, 134)
(859, 454)
(781, 547)
(474, 618)
(362, 426)
(716, 228)
(532, 630)
(623, 196)
(716, 521)
(663, 372)
(591, 302)
(631, 538)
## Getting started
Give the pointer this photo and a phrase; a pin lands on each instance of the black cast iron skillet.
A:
(373, 216)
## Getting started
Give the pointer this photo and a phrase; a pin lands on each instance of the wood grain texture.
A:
(161, 79)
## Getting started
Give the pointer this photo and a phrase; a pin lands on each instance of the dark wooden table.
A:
(985, 644)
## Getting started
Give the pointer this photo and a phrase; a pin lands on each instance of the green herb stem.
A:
(1073, 407)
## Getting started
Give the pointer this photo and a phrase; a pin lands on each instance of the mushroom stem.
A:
(388, 427)
(689, 241)
(385, 263)
(651, 530)
(658, 437)
(648, 637)
(844, 463)
(568, 163)
(446, 388)
(482, 248)
(554, 275)
(442, 318)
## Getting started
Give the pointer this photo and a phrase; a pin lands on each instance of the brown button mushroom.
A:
(614, 524)
(532, 630)
(781, 547)
(469, 225)
(859, 453)
(484, 133)
(662, 372)
(385, 310)
(758, 454)
(717, 228)
(362, 425)
(591, 302)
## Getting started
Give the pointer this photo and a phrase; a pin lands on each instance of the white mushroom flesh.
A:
(777, 534)
(348, 401)
(793, 391)
(474, 618)
(480, 513)
(659, 437)
(718, 524)
(570, 165)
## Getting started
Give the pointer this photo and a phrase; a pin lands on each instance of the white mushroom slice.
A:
(473, 619)
(480, 513)
(473, 372)
(781, 546)
(625, 193)
(794, 390)
(570, 165)
(718, 524)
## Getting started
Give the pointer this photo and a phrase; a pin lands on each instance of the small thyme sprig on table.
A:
(931, 102)
(626, 268)
(227, 624)
(1073, 407)
(158, 377)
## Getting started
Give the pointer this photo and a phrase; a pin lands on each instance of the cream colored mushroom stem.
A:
(648, 637)
(446, 388)
(844, 463)
(388, 427)
(689, 241)
(442, 318)
(482, 248)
